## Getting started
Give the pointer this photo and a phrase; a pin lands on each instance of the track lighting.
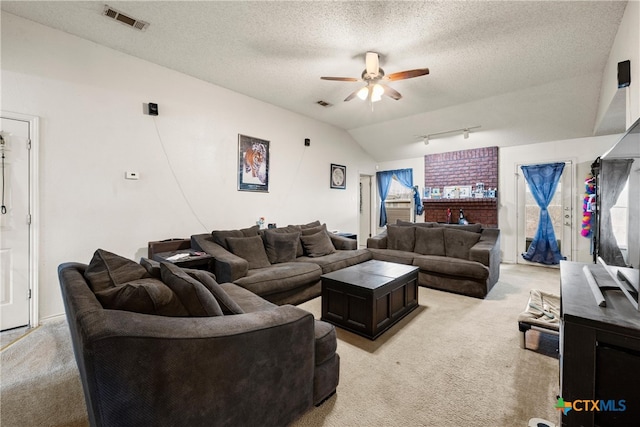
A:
(465, 133)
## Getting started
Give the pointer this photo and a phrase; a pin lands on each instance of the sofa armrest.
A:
(227, 266)
(343, 243)
(378, 242)
(204, 371)
(487, 250)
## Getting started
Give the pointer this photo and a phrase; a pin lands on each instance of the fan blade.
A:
(351, 96)
(401, 75)
(391, 93)
(341, 79)
(372, 63)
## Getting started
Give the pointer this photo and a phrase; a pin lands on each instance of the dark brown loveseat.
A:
(226, 360)
(282, 265)
(464, 259)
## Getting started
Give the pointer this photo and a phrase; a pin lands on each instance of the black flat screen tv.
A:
(617, 236)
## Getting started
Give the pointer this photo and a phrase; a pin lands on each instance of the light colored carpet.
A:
(454, 361)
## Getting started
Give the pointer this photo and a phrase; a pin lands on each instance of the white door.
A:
(14, 225)
(365, 210)
(560, 211)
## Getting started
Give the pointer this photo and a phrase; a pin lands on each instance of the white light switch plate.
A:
(131, 175)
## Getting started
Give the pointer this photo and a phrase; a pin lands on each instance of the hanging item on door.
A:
(588, 205)
(3, 146)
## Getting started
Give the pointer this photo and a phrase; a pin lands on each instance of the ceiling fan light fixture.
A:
(376, 93)
(363, 93)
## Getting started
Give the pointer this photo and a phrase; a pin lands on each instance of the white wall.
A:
(90, 103)
(626, 46)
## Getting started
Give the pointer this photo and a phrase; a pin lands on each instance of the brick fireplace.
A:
(462, 168)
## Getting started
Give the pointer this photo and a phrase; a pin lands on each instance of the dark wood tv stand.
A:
(599, 351)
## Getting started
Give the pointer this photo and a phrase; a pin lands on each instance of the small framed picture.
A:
(338, 177)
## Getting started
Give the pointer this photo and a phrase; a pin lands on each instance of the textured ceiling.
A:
(480, 54)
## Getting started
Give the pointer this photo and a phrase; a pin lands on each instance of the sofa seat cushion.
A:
(451, 266)
(280, 277)
(391, 255)
(326, 341)
(338, 259)
(245, 299)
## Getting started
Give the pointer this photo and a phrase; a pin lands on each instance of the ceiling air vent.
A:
(324, 104)
(112, 13)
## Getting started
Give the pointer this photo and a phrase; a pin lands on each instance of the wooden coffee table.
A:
(369, 298)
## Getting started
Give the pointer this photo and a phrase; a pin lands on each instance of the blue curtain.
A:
(543, 181)
(384, 182)
(404, 176)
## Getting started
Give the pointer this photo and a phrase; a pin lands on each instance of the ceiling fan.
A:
(374, 78)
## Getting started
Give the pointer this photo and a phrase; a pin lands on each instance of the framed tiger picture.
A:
(253, 164)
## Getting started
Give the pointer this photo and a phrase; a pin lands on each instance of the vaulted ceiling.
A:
(525, 72)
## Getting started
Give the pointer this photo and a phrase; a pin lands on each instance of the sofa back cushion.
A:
(318, 244)
(414, 224)
(195, 297)
(220, 236)
(107, 270)
(476, 228)
(457, 243)
(430, 241)
(401, 238)
(281, 246)
(147, 296)
(251, 249)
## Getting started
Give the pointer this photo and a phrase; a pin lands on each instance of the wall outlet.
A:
(131, 175)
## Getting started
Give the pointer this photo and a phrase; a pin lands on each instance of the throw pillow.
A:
(429, 241)
(281, 246)
(313, 230)
(220, 236)
(457, 243)
(251, 249)
(192, 294)
(107, 270)
(152, 267)
(228, 305)
(318, 244)
(310, 225)
(147, 296)
(401, 238)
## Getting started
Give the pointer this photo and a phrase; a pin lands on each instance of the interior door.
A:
(365, 210)
(560, 211)
(14, 225)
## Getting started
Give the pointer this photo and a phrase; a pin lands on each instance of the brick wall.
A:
(476, 211)
(457, 168)
(466, 167)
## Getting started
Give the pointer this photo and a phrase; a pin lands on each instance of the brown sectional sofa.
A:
(160, 345)
(255, 259)
(464, 259)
